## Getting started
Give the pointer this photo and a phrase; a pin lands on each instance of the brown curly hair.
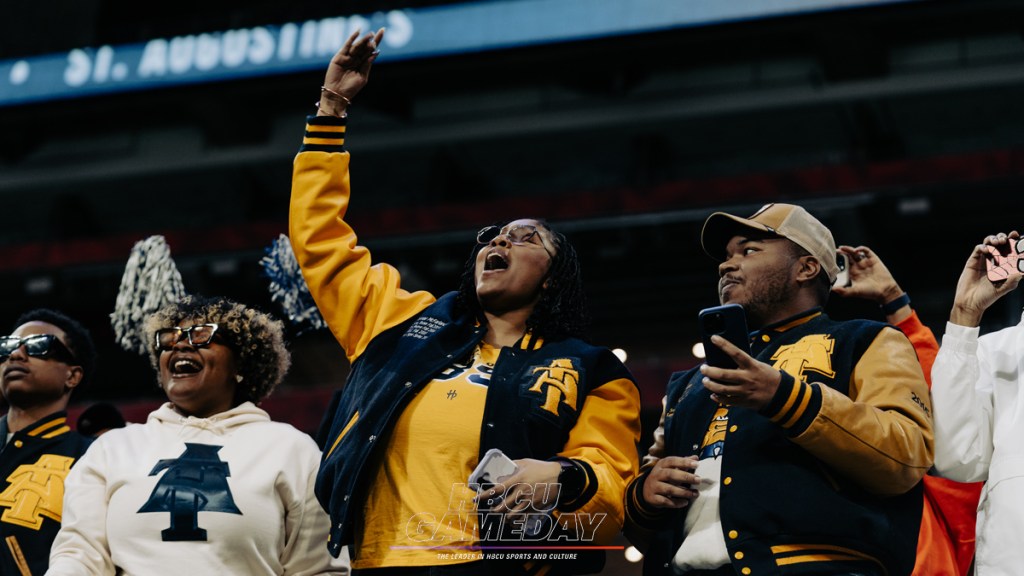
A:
(256, 338)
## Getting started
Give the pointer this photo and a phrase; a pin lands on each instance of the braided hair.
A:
(561, 311)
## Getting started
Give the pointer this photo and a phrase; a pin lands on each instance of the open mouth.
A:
(185, 367)
(495, 261)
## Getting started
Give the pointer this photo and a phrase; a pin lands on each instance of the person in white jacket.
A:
(979, 409)
(208, 485)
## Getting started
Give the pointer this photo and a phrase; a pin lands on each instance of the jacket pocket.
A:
(351, 423)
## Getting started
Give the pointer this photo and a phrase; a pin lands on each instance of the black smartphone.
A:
(728, 321)
(1000, 266)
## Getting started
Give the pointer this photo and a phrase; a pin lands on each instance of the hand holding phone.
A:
(999, 266)
(492, 467)
(729, 322)
(843, 277)
(756, 382)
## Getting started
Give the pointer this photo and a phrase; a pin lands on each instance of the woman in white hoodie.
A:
(208, 485)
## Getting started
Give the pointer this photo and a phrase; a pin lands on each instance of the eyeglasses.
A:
(518, 235)
(199, 336)
(37, 346)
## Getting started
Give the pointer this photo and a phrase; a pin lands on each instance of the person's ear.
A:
(808, 269)
(74, 377)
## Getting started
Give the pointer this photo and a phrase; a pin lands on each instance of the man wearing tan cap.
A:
(808, 457)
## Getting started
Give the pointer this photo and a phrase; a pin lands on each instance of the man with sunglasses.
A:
(45, 358)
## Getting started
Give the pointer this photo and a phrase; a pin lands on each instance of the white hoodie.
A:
(269, 521)
(977, 385)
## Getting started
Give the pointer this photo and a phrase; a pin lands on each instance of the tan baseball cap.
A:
(786, 220)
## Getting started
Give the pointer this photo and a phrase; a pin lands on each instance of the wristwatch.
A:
(573, 479)
(891, 307)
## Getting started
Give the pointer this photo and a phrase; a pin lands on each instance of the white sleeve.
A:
(81, 545)
(962, 398)
(307, 526)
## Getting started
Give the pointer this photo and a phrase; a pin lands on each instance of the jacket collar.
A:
(47, 427)
(792, 322)
(530, 342)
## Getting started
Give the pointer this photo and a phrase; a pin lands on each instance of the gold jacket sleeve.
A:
(605, 437)
(358, 300)
(881, 435)
(639, 516)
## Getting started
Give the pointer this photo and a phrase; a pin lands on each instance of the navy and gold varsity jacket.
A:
(33, 466)
(823, 480)
(398, 341)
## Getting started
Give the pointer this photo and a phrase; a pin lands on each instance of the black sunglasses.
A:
(37, 346)
(199, 336)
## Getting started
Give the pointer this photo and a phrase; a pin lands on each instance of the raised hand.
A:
(1000, 266)
(348, 72)
(869, 277)
(975, 292)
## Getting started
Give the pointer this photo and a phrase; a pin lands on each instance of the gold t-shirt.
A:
(419, 509)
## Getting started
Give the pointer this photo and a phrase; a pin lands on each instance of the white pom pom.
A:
(151, 281)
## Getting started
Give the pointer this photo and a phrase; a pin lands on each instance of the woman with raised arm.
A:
(436, 383)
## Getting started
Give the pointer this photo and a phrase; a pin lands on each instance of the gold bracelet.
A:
(336, 95)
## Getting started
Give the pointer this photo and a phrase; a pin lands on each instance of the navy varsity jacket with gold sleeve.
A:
(826, 478)
(546, 399)
(33, 466)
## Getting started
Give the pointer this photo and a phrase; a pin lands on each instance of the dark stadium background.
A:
(899, 125)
